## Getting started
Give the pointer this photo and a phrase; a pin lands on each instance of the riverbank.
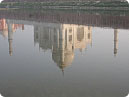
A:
(68, 5)
(113, 19)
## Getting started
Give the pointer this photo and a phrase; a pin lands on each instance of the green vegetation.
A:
(68, 5)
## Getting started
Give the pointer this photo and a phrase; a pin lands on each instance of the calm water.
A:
(49, 59)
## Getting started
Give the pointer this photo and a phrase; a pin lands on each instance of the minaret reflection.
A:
(10, 37)
(11, 29)
(62, 40)
(7, 29)
(115, 41)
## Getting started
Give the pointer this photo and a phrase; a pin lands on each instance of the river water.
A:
(53, 56)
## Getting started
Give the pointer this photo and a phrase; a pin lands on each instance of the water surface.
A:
(50, 59)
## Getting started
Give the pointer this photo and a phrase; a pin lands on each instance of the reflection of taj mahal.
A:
(63, 40)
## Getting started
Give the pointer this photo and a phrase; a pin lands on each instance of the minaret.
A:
(10, 37)
(115, 41)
